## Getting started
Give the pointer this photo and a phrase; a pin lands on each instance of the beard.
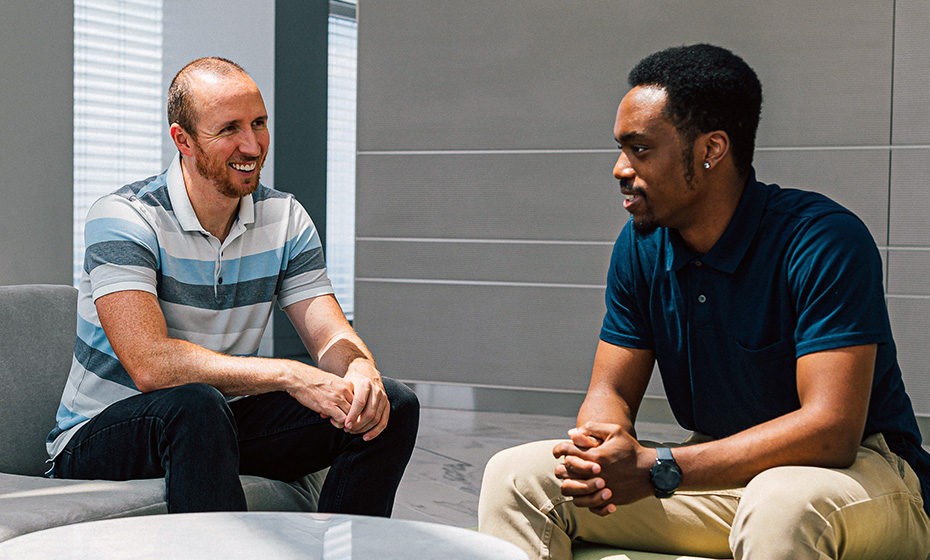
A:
(217, 171)
(646, 223)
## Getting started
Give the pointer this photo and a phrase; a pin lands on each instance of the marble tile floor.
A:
(443, 479)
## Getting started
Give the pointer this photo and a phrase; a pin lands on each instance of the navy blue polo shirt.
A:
(793, 273)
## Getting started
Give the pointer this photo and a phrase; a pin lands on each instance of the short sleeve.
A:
(121, 248)
(835, 273)
(304, 276)
(625, 322)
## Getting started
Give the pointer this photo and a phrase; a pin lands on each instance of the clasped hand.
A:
(356, 402)
(603, 466)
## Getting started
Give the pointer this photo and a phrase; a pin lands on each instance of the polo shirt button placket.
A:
(217, 273)
(701, 297)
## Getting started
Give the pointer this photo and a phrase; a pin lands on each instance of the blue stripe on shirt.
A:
(152, 191)
(121, 253)
(225, 296)
(305, 262)
(101, 230)
(303, 241)
(244, 269)
(93, 337)
(103, 366)
(64, 419)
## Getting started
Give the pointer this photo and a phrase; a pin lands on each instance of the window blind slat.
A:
(92, 71)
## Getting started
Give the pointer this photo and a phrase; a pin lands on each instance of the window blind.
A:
(340, 158)
(118, 105)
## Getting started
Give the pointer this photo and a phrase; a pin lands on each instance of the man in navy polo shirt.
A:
(764, 309)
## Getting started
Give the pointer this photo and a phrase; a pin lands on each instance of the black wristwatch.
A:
(665, 475)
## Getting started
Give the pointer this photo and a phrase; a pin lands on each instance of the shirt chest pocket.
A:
(767, 378)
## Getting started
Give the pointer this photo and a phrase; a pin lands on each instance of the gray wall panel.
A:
(489, 196)
(491, 74)
(857, 179)
(475, 261)
(36, 147)
(909, 323)
(519, 337)
(909, 273)
(912, 72)
(488, 120)
(910, 198)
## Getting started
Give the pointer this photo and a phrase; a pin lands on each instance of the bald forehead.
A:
(214, 66)
(212, 95)
(206, 81)
(213, 76)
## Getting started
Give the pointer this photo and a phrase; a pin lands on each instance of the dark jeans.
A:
(200, 444)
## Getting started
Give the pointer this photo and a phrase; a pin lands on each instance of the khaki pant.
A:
(870, 511)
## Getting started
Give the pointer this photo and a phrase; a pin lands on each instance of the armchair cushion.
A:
(37, 331)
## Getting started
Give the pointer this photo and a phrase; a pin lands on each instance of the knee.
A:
(199, 404)
(791, 494)
(501, 473)
(405, 407)
(524, 473)
(196, 394)
(784, 507)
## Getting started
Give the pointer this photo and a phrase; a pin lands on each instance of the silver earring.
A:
(706, 165)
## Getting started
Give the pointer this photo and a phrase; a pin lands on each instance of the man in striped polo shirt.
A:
(181, 272)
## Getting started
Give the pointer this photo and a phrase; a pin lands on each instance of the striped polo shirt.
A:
(146, 237)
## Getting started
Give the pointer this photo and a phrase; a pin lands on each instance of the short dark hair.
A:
(708, 88)
(181, 102)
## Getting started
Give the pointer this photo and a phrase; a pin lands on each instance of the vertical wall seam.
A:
(894, 14)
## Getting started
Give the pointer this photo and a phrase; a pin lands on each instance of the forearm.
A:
(618, 381)
(332, 342)
(800, 438)
(137, 332)
(345, 348)
(170, 362)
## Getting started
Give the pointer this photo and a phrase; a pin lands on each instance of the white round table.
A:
(258, 536)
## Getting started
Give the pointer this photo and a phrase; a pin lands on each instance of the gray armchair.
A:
(37, 330)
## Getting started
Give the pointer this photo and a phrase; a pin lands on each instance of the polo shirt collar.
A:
(184, 210)
(729, 250)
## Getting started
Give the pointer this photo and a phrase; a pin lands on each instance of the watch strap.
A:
(664, 454)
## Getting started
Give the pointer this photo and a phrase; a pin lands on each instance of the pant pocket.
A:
(877, 443)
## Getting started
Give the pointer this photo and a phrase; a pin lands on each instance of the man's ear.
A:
(716, 146)
(182, 139)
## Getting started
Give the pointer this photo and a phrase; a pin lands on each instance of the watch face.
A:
(666, 476)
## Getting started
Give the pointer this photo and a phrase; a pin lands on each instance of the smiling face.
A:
(232, 137)
(655, 164)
